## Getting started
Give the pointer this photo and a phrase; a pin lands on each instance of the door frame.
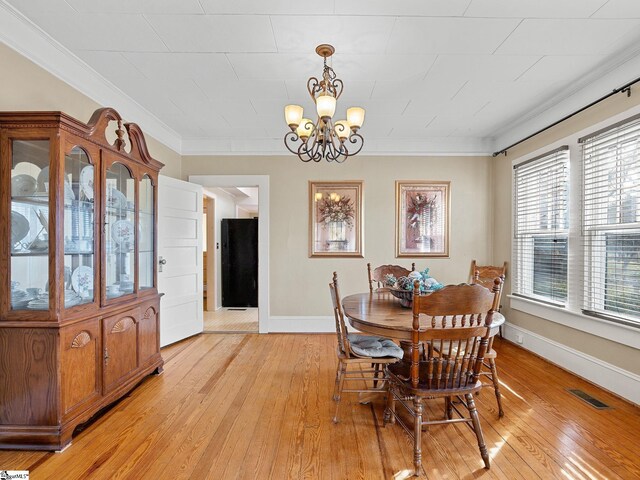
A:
(262, 182)
(212, 283)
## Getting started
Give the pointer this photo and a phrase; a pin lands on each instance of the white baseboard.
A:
(615, 379)
(293, 324)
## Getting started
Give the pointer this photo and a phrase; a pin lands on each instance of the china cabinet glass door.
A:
(147, 226)
(79, 242)
(120, 231)
(29, 235)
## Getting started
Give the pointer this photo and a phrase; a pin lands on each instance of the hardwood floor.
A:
(259, 407)
(231, 320)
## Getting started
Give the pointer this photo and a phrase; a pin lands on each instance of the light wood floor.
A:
(231, 320)
(259, 407)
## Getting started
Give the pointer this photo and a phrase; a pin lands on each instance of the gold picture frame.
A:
(335, 219)
(423, 213)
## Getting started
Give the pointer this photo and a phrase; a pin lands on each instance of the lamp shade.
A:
(342, 129)
(293, 115)
(326, 105)
(305, 129)
(355, 117)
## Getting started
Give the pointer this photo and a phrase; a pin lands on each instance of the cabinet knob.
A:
(162, 261)
(106, 356)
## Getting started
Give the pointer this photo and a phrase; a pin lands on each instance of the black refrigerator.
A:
(239, 238)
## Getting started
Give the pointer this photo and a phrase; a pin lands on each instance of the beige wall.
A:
(26, 86)
(609, 351)
(299, 284)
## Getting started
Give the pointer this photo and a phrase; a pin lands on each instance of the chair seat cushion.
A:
(369, 346)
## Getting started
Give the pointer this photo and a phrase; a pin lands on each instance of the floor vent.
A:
(237, 309)
(594, 402)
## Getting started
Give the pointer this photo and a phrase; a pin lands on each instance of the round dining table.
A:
(380, 313)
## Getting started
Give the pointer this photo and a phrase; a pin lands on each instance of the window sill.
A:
(623, 334)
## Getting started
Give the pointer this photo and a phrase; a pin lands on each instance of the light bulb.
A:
(326, 105)
(355, 117)
(293, 115)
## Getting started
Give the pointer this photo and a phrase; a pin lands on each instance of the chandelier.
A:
(324, 138)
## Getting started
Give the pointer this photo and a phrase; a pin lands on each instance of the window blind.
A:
(541, 225)
(610, 221)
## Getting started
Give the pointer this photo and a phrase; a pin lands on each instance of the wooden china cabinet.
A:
(79, 305)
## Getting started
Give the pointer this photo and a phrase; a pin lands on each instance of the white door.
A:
(180, 259)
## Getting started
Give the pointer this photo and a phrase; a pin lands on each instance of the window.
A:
(610, 221)
(541, 226)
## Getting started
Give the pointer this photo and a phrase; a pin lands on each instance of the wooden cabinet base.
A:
(59, 377)
(56, 438)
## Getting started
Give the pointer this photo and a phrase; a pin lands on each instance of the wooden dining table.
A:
(380, 313)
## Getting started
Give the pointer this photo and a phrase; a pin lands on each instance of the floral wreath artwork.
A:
(335, 210)
(422, 219)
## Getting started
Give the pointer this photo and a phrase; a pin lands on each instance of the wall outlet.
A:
(519, 338)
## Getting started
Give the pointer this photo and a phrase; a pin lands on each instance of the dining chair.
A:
(454, 323)
(355, 350)
(377, 275)
(482, 275)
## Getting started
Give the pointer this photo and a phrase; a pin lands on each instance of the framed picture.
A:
(335, 219)
(422, 219)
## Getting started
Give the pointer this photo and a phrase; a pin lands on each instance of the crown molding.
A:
(444, 146)
(22, 35)
(613, 74)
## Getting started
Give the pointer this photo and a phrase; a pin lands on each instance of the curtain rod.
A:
(624, 89)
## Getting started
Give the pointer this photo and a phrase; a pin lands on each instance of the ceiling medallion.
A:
(324, 138)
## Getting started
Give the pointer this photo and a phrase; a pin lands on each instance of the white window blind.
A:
(610, 221)
(541, 225)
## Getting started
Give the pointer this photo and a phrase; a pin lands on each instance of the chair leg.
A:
(417, 435)
(496, 385)
(343, 369)
(337, 382)
(390, 407)
(448, 408)
(473, 412)
(376, 372)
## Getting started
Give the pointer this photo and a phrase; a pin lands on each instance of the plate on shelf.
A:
(19, 227)
(116, 199)
(69, 196)
(123, 232)
(23, 185)
(82, 279)
(43, 177)
(86, 181)
(43, 220)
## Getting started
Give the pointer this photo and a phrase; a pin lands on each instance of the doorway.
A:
(232, 203)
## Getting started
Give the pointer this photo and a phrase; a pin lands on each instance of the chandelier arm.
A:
(335, 146)
(337, 86)
(338, 153)
(303, 154)
(318, 150)
(358, 141)
(313, 87)
(291, 137)
(307, 147)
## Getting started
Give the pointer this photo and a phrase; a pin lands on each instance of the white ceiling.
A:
(436, 76)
